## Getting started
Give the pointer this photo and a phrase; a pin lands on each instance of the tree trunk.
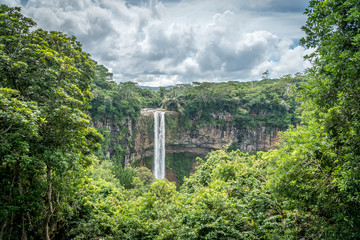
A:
(49, 202)
(3, 229)
(23, 232)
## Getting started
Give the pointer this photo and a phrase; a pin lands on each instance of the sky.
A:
(168, 42)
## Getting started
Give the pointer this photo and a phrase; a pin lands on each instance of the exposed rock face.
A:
(200, 141)
(137, 140)
(114, 131)
(258, 139)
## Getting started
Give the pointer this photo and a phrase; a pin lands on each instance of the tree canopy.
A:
(45, 138)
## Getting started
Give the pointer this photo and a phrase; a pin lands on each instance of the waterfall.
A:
(159, 145)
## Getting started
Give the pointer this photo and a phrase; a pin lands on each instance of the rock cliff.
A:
(136, 140)
(198, 140)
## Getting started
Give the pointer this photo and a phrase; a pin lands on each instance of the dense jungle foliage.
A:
(267, 103)
(53, 186)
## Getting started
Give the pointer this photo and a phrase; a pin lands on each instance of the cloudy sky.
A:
(160, 43)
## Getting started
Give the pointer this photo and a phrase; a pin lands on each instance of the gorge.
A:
(153, 131)
(200, 118)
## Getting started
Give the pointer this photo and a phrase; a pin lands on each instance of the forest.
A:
(57, 183)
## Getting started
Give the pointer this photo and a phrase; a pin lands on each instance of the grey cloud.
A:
(272, 5)
(70, 18)
(209, 59)
(171, 41)
(243, 54)
(174, 43)
(287, 6)
(145, 2)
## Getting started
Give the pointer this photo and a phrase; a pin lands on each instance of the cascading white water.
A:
(159, 145)
(162, 131)
(156, 144)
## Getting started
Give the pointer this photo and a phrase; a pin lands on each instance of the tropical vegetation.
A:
(56, 182)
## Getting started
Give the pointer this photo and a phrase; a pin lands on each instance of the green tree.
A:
(174, 101)
(332, 29)
(317, 165)
(47, 77)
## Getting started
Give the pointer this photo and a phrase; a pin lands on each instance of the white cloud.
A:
(169, 42)
(291, 61)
